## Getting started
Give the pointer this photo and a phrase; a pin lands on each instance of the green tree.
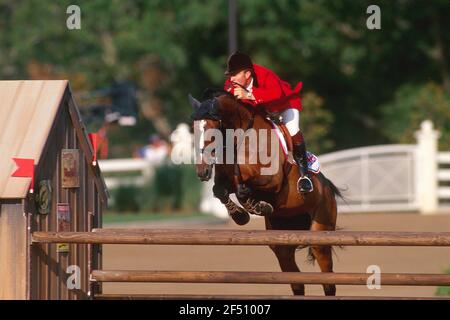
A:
(174, 47)
(316, 123)
(413, 104)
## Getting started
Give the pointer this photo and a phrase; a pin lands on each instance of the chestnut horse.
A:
(274, 196)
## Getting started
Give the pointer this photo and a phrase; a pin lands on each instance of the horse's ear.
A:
(194, 102)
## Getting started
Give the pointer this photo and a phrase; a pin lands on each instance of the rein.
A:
(239, 85)
(237, 170)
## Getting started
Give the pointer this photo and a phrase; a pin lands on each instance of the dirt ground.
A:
(256, 258)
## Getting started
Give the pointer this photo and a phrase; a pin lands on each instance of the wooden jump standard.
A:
(245, 237)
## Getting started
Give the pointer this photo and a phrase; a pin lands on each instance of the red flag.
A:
(25, 169)
(94, 141)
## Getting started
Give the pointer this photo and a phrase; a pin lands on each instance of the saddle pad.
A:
(281, 138)
(313, 161)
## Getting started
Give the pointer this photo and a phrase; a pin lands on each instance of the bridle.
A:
(213, 160)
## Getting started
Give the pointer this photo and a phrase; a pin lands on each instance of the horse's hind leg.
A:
(324, 219)
(286, 254)
(323, 255)
(286, 259)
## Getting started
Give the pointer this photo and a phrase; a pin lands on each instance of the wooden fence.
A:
(250, 237)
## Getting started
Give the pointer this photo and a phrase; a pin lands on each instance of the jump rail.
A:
(245, 237)
(394, 279)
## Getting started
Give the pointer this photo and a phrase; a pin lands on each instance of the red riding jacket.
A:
(271, 92)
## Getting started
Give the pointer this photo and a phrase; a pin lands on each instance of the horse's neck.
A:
(236, 116)
(242, 118)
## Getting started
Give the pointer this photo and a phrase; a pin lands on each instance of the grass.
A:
(120, 217)
(443, 290)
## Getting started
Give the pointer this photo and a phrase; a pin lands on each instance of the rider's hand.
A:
(242, 94)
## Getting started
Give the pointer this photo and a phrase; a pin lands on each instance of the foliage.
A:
(411, 105)
(124, 217)
(316, 122)
(125, 199)
(173, 188)
(173, 47)
(444, 290)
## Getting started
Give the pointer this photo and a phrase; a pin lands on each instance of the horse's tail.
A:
(327, 182)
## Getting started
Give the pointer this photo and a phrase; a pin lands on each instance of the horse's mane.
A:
(211, 93)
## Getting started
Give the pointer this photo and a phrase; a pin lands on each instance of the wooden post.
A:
(427, 168)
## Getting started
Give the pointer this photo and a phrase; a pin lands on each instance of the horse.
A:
(273, 196)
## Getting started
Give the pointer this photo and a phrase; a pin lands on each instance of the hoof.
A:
(265, 208)
(241, 217)
(259, 208)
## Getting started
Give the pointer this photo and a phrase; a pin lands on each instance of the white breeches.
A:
(291, 118)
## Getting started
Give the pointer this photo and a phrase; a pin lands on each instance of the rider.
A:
(257, 85)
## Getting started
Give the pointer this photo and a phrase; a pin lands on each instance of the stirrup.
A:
(299, 186)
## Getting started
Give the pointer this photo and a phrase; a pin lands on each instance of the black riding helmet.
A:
(239, 61)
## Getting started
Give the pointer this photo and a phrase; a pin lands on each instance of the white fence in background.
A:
(143, 168)
(379, 178)
(443, 158)
(376, 178)
(139, 171)
(392, 177)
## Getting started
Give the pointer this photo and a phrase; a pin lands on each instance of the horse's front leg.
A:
(239, 215)
(260, 208)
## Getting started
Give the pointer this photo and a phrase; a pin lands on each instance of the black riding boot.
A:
(304, 184)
